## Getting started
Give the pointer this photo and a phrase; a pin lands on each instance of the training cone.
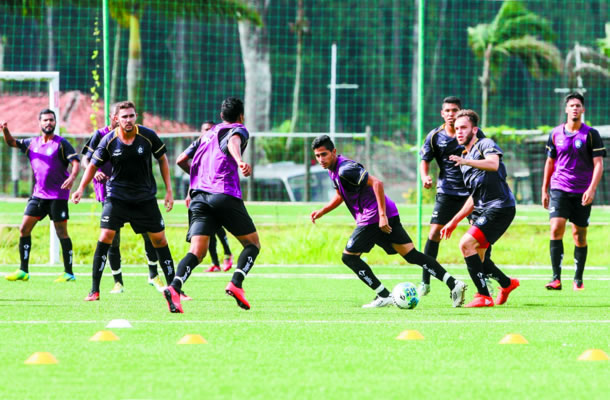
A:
(594, 355)
(513, 338)
(41, 358)
(104, 336)
(192, 339)
(118, 323)
(410, 335)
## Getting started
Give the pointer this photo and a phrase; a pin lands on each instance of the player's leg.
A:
(99, 261)
(228, 256)
(25, 248)
(58, 212)
(114, 259)
(558, 226)
(473, 246)
(159, 242)
(579, 234)
(215, 267)
(152, 259)
(245, 262)
(430, 249)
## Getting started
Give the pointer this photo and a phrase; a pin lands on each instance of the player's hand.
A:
(587, 197)
(427, 181)
(457, 160)
(245, 168)
(68, 183)
(3, 125)
(384, 225)
(100, 176)
(545, 199)
(169, 201)
(448, 230)
(187, 200)
(316, 215)
(76, 196)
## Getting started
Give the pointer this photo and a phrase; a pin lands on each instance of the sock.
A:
(431, 265)
(490, 269)
(67, 253)
(167, 263)
(364, 272)
(151, 257)
(580, 257)
(475, 269)
(212, 250)
(25, 246)
(431, 250)
(185, 268)
(114, 258)
(556, 257)
(222, 236)
(99, 262)
(244, 264)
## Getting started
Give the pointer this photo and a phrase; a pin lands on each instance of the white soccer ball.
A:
(404, 295)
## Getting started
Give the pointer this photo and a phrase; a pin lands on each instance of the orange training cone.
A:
(410, 335)
(513, 338)
(104, 336)
(192, 339)
(41, 358)
(594, 355)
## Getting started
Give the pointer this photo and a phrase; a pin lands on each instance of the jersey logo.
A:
(117, 153)
(481, 220)
(140, 150)
(49, 152)
(560, 142)
(578, 143)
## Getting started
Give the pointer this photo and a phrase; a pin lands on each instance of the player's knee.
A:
(351, 260)
(580, 238)
(468, 245)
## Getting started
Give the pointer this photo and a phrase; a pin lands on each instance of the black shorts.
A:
(210, 211)
(144, 216)
(569, 206)
(365, 237)
(57, 210)
(493, 222)
(445, 207)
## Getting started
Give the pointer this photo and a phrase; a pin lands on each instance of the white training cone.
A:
(118, 323)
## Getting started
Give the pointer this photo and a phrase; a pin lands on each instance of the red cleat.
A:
(553, 285)
(213, 268)
(227, 264)
(504, 292)
(173, 300)
(238, 294)
(578, 285)
(93, 296)
(480, 301)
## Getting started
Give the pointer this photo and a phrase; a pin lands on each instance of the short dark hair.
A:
(47, 111)
(577, 96)
(323, 141)
(114, 108)
(231, 109)
(209, 122)
(124, 105)
(453, 100)
(470, 114)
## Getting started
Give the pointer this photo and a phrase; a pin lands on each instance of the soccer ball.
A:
(404, 295)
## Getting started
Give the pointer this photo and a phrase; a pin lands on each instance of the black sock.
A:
(185, 268)
(431, 250)
(556, 257)
(431, 265)
(475, 269)
(67, 253)
(114, 258)
(167, 263)
(490, 269)
(151, 257)
(99, 262)
(244, 264)
(365, 273)
(222, 236)
(25, 247)
(212, 250)
(580, 258)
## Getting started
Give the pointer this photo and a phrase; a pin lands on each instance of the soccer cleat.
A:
(553, 285)
(118, 288)
(157, 283)
(379, 302)
(93, 296)
(227, 263)
(66, 277)
(184, 296)
(423, 289)
(18, 275)
(480, 301)
(173, 300)
(238, 294)
(213, 268)
(458, 293)
(490, 287)
(504, 292)
(578, 285)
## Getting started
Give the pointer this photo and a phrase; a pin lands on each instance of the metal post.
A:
(306, 158)
(15, 171)
(420, 111)
(367, 148)
(54, 105)
(333, 90)
(106, 40)
(252, 155)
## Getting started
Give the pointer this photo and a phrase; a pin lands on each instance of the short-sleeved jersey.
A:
(192, 149)
(132, 176)
(50, 163)
(350, 179)
(214, 170)
(573, 153)
(438, 146)
(88, 150)
(487, 188)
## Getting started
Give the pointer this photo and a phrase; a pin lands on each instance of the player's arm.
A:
(491, 162)
(169, 195)
(8, 138)
(463, 213)
(85, 180)
(426, 179)
(549, 168)
(598, 169)
(73, 174)
(377, 186)
(183, 162)
(235, 151)
(332, 204)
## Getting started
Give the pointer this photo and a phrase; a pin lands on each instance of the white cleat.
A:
(457, 294)
(157, 283)
(423, 289)
(379, 302)
(118, 288)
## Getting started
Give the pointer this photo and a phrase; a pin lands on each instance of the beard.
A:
(48, 130)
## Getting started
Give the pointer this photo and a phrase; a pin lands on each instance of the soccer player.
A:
(184, 163)
(574, 169)
(99, 184)
(216, 201)
(493, 204)
(50, 156)
(131, 190)
(377, 220)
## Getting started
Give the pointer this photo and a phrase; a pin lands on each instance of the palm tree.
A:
(514, 32)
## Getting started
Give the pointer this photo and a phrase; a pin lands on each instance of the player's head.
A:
(575, 106)
(46, 121)
(324, 151)
(114, 122)
(232, 110)
(466, 126)
(126, 115)
(206, 126)
(451, 106)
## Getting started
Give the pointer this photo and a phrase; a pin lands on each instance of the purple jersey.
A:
(50, 163)
(573, 153)
(350, 179)
(213, 169)
(88, 150)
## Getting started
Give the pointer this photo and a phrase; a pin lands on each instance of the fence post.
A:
(306, 194)
(252, 154)
(367, 148)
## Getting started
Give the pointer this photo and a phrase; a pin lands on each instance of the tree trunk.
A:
(51, 62)
(397, 35)
(414, 68)
(485, 81)
(114, 84)
(437, 58)
(179, 63)
(299, 30)
(2, 49)
(134, 66)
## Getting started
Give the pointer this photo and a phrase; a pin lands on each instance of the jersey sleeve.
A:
(427, 152)
(551, 150)
(488, 147)
(597, 145)
(353, 176)
(24, 144)
(158, 147)
(192, 149)
(92, 144)
(243, 134)
(101, 154)
(68, 154)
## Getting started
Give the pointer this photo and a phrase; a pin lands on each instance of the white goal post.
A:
(52, 78)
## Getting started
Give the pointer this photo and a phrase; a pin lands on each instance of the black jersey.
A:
(132, 176)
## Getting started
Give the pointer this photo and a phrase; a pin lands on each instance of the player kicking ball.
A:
(377, 220)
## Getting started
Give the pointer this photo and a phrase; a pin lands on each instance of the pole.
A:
(333, 90)
(420, 110)
(106, 40)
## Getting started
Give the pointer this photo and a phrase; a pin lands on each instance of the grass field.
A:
(306, 336)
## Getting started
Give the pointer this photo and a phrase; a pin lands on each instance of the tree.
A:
(514, 32)
(300, 27)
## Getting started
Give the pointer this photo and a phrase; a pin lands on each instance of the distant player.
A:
(574, 168)
(216, 201)
(492, 202)
(184, 163)
(99, 184)
(131, 190)
(377, 220)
